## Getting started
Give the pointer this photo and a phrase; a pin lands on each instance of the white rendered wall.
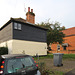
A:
(29, 47)
(25, 47)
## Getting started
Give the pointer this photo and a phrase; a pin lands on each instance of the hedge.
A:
(3, 50)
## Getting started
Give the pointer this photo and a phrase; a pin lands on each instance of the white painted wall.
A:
(27, 47)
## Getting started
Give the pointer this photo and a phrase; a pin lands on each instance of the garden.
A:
(47, 67)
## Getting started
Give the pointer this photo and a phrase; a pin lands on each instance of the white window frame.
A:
(19, 26)
(58, 47)
(15, 25)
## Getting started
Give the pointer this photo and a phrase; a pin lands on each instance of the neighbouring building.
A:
(23, 36)
(68, 46)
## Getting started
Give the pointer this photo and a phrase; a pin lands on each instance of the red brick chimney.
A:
(32, 10)
(28, 9)
(30, 16)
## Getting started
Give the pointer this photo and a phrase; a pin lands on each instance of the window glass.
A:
(16, 64)
(15, 25)
(58, 47)
(19, 26)
(64, 47)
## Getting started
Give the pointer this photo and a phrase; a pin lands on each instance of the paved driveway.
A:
(68, 65)
(72, 72)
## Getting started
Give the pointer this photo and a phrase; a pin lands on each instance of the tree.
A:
(54, 33)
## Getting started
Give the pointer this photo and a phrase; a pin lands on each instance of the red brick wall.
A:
(70, 40)
(69, 31)
(30, 18)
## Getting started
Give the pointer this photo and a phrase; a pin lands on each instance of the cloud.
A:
(58, 10)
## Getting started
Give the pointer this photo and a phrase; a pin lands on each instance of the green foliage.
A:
(3, 50)
(54, 33)
(45, 71)
(65, 56)
(41, 67)
(45, 57)
(69, 56)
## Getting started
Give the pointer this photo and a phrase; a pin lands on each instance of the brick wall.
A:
(70, 39)
(30, 16)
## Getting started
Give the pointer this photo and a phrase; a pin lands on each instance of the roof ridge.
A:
(17, 18)
(69, 31)
(70, 28)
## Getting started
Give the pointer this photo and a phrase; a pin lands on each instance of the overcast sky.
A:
(62, 11)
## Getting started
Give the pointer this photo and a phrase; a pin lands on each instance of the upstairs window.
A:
(19, 26)
(15, 25)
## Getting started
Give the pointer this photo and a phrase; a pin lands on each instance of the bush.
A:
(44, 70)
(41, 67)
(3, 50)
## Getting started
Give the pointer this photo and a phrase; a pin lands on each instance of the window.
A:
(15, 25)
(64, 47)
(16, 64)
(19, 26)
(58, 47)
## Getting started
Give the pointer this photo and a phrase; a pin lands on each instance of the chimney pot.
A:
(32, 10)
(30, 16)
(28, 9)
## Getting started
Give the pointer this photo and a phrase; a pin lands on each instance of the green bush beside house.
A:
(3, 50)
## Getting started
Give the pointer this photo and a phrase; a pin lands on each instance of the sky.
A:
(62, 11)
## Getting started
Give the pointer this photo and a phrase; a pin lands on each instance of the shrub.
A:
(44, 70)
(3, 50)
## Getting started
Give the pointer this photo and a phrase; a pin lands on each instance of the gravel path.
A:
(68, 65)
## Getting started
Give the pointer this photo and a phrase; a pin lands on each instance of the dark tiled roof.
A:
(22, 21)
(19, 19)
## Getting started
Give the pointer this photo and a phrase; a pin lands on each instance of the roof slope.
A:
(21, 20)
(69, 31)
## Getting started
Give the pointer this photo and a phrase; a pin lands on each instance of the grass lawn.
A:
(69, 56)
(47, 64)
(65, 56)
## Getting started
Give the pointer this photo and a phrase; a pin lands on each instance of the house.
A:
(23, 36)
(68, 46)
